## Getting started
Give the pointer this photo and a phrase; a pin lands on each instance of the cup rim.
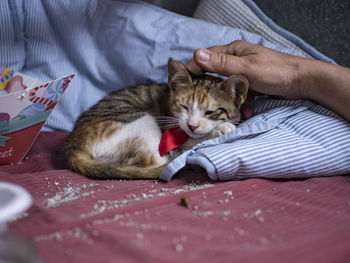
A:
(17, 201)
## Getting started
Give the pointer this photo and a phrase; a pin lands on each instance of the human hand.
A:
(269, 72)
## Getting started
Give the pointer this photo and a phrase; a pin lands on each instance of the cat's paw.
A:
(222, 129)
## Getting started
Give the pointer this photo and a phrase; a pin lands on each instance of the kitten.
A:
(119, 136)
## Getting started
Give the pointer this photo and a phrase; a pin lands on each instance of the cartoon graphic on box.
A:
(25, 104)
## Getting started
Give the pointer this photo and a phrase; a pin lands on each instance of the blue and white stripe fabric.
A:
(111, 44)
(286, 139)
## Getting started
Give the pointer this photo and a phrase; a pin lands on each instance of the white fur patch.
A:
(195, 117)
(145, 128)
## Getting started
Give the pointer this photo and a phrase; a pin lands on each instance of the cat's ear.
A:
(178, 76)
(237, 86)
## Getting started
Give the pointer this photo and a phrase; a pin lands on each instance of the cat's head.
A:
(201, 103)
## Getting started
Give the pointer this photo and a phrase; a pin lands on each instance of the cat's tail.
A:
(83, 163)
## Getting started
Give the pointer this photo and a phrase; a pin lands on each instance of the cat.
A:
(118, 137)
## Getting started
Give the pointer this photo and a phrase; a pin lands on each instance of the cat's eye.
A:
(184, 106)
(209, 112)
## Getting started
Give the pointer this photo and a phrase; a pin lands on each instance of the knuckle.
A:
(239, 42)
(222, 60)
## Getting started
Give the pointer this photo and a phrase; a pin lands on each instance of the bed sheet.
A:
(76, 219)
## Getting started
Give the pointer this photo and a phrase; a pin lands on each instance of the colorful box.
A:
(25, 104)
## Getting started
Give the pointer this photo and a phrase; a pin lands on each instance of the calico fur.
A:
(119, 136)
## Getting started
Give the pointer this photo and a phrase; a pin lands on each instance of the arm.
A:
(274, 73)
(328, 85)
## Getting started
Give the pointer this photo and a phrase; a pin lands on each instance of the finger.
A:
(219, 63)
(193, 67)
(226, 49)
(236, 48)
(241, 48)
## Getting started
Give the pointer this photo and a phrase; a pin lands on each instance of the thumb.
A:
(220, 63)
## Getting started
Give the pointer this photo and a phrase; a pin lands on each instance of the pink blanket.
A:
(75, 219)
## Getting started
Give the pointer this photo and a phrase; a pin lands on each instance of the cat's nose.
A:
(193, 127)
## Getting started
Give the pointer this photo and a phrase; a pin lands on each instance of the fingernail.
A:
(203, 55)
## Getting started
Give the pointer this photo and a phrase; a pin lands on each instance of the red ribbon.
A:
(171, 139)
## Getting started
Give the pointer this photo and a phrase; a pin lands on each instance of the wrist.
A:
(308, 76)
(326, 84)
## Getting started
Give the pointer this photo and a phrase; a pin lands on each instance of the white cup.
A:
(14, 200)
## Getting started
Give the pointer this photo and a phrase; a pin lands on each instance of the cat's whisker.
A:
(165, 127)
(163, 123)
(167, 121)
(172, 122)
(163, 117)
(169, 127)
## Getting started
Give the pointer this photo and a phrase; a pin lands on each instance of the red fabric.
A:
(254, 220)
(171, 139)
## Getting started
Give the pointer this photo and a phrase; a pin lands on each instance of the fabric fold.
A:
(286, 139)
